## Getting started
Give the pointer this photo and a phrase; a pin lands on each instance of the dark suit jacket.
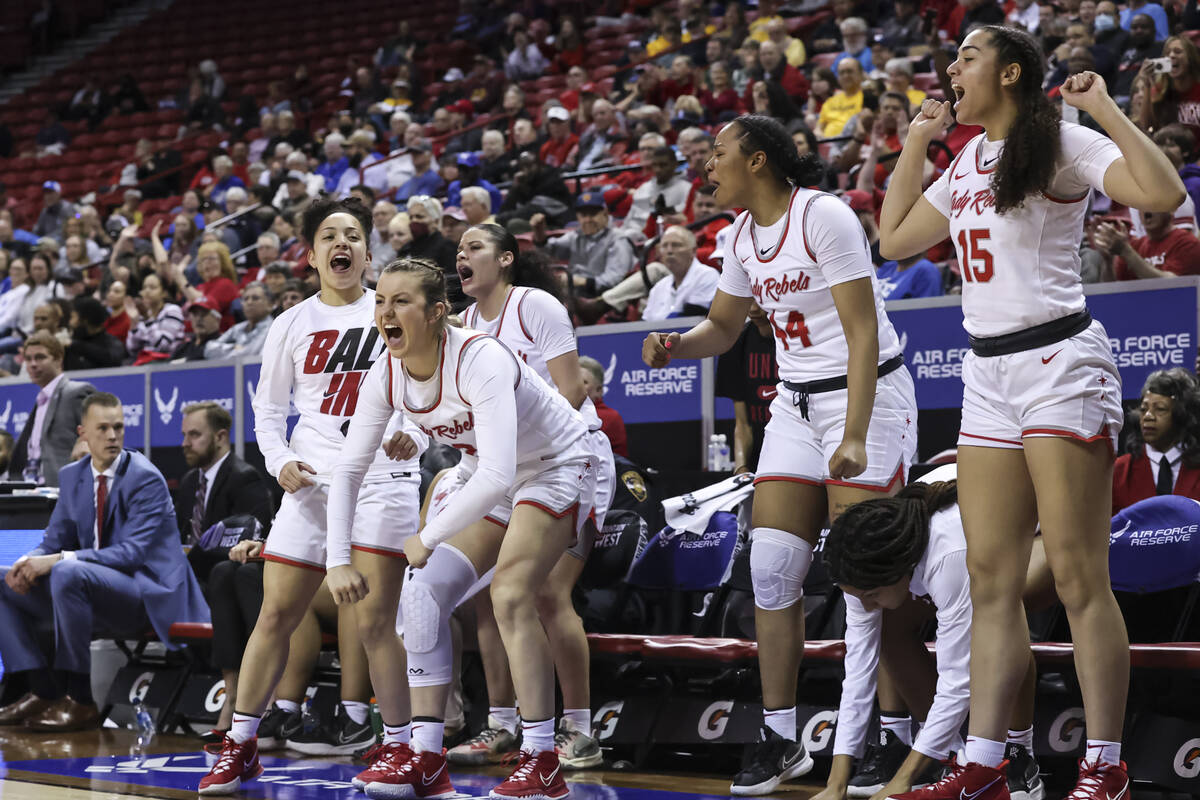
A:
(142, 538)
(1133, 481)
(238, 488)
(63, 414)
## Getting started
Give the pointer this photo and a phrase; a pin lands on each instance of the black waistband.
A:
(834, 384)
(1031, 338)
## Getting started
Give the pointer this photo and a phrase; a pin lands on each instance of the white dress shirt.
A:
(1174, 457)
(39, 418)
(698, 288)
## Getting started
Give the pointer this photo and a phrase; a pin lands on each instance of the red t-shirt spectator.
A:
(223, 292)
(1177, 252)
(554, 154)
(793, 82)
(613, 427)
(706, 242)
(118, 325)
(714, 105)
(1188, 111)
(672, 89)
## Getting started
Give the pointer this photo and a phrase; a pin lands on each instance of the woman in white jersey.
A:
(843, 427)
(515, 301)
(526, 485)
(1042, 397)
(315, 358)
(900, 560)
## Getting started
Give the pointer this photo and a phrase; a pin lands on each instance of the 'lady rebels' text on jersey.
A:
(1021, 268)
(538, 329)
(789, 269)
(315, 358)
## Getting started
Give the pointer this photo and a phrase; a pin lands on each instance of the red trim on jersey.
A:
(572, 509)
(978, 168)
(741, 226)
(441, 382)
(458, 368)
(953, 163)
(897, 478)
(521, 318)
(1065, 201)
(503, 311)
(782, 239)
(293, 563)
(379, 551)
(989, 439)
(391, 380)
(788, 478)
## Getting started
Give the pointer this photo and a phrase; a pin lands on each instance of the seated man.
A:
(1164, 252)
(245, 338)
(597, 256)
(91, 346)
(110, 561)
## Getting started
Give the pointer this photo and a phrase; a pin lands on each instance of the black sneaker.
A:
(770, 762)
(340, 736)
(879, 764)
(1024, 777)
(275, 727)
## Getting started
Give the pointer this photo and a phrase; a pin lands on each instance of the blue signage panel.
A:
(172, 390)
(639, 393)
(131, 390)
(16, 404)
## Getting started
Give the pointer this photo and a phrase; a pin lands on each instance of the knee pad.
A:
(779, 563)
(430, 594)
(432, 668)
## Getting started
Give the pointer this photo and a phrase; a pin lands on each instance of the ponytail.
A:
(760, 133)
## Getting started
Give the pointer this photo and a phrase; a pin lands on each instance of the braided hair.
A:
(431, 280)
(879, 542)
(760, 133)
(530, 268)
(1034, 143)
(1184, 390)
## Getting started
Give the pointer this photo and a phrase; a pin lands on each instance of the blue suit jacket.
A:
(143, 540)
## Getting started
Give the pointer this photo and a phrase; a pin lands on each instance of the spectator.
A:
(980, 12)
(245, 338)
(775, 68)
(846, 102)
(568, 46)
(1104, 26)
(792, 49)
(524, 139)
(214, 232)
(710, 240)
(45, 443)
(205, 317)
(160, 329)
(55, 211)
(494, 165)
(690, 286)
(91, 346)
(854, 37)
(562, 145)
(1080, 36)
(397, 49)
(424, 220)
(680, 80)
(468, 175)
(915, 276)
(74, 254)
(43, 288)
(719, 98)
(360, 155)
(454, 224)
(223, 180)
(525, 60)
(610, 419)
(827, 37)
(211, 80)
(266, 251)
(275, 275)
(1163, 252)
(294, 292)
(597, 256)
(577, 78)
(426, 181)
(665, 194)
(218, 279)
(748, 67)
(381, 251)
(1027, 14)
(336, 161)
(398, 232)
(1174, 95)
(203, 110)
(904, 28)
(747, 374)
(295, 192)
(1162, 27)
(52, 138)
(769, 98)
(15, 241)
(1163, 450)
(119, 321)
(899, 74)
(477, 206)
(596, 143)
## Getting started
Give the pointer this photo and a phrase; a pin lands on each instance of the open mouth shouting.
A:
(394, 336)
(465, 273)
(958, 93)
(340, 263)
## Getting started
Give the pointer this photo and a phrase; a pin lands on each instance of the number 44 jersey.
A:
(789, 268)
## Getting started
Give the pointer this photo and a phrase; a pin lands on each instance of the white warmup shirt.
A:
(941, 574)
(698, 288)
(1020, 269)
(315, 357)
(483, 401)
(789, 268)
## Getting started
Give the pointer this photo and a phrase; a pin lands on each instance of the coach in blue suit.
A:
(117, 571)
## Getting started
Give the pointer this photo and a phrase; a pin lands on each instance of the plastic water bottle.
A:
(714, 453)
(143, 723)
(723, 453)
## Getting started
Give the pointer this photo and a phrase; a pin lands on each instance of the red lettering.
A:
(318, 351)
(341, 396)
(794, 329)
(451, 431)
(978, 202)
(774, 289)
(975, 260)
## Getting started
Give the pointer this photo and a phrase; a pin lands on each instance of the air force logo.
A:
(166, 409)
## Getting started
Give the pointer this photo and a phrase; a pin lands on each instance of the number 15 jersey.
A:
(789, 268)
(1020, 268)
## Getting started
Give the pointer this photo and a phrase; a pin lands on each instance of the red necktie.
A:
(101, 497)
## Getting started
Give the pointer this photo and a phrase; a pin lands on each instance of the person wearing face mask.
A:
(424, 223)
(1102, 16)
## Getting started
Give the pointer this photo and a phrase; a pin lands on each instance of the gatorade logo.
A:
(714, 720)
(215, 699)
(818, 731)
(1187, 760)
(607, 717)
(140, 686)
(1066, 732)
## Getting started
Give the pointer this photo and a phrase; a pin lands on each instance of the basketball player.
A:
(843, 427)
(1042, 397)
(526, 480)
(315, 357)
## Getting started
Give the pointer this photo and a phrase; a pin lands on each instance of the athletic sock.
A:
(580, 719)
(1102, 752)
(537, 736)
(290, 706)
(356, 711)
(782, 721)
(503, 717)
(899, 726)
(1023, 738)
(987, 752)
(427, 734)
(244, 728)
(397, 734)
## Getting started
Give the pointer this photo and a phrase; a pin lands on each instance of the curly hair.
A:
(1034, 143)
(317, 213)
(1184, 390)
(767, 134)
(531, 268)
(879, 542)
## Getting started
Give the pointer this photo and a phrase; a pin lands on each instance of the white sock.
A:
(984, 751)
(537, 736)
(580, 719)
(244, 728)
(501, 717)
(782, 721)
(397, 734)
(356, 711)
(1098, 751)
(427, 734)
(1023, 738)
(290, 706)
(901, 727)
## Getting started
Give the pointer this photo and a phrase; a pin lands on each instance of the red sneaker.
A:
(237, 764)
(965, 782)
(538, 776)
(382, 759)
(1101, 782)
(422, 776)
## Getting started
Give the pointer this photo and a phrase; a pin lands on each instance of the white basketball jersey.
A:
(537, 328)
(1021, 268)
(820, 245)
